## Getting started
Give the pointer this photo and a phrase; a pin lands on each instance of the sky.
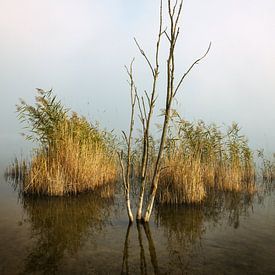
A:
(79, 48)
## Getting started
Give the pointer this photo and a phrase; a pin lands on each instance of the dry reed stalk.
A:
(69, 167)
(54, 176)
(73, 157)
(181, 181)
(201, 158)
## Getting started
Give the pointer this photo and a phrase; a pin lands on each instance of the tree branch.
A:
(190, 68)
(145, 56)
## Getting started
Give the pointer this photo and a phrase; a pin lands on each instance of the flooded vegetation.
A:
(70, 152)
(200, 158)
(71, 198)
(65, 207)
(73, 156)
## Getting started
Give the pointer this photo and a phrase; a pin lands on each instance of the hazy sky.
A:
(79, 48)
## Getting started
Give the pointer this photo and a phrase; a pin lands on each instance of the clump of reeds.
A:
(236, 166)
(73, 155)
(181, 181)
(267, 166)
(17, 170)
(199, 157)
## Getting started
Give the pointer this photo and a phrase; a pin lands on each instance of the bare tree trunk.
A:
(146, 119)
(129, 209)
(145, 155)
(169, 98)
(143, 179)
(126, 184)
(127, 174)
(154, 184)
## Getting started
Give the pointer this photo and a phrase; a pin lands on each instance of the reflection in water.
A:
(61, 225)
(228, 206)
(152, 250)
(265, 188)
(142, 259)
(184, 226)
(75, 235)
(143, 265)
(188, 223)
(125, 262)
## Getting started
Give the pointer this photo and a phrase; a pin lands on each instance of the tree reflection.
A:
(125, 262)
(152, 250)
(142, 260)
(61, 225)
(143, 265)
(183, 228)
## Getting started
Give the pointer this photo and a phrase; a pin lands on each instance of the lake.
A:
(230, 234)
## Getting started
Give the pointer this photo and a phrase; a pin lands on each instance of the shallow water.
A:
(233, 234)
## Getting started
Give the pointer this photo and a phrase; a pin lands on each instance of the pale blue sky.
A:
(79, 48)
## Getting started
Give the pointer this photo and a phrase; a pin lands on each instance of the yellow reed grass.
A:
(181, 181)
(201, 158)
(73, 155)
(70, 165)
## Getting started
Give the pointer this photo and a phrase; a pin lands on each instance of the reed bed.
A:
(201, 157)
(17, 170)
(73, 156)
(181, 181)
(267, 166)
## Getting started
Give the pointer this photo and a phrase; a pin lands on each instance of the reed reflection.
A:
(184, 226)
(61, 226)
(188, 223)
(228, 207)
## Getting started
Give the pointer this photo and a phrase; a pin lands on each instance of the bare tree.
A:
(171, 92)
(146, 117)
(146, 104)
(126, 173)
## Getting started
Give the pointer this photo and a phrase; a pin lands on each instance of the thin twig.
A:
(190, 68)
(145, 56)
